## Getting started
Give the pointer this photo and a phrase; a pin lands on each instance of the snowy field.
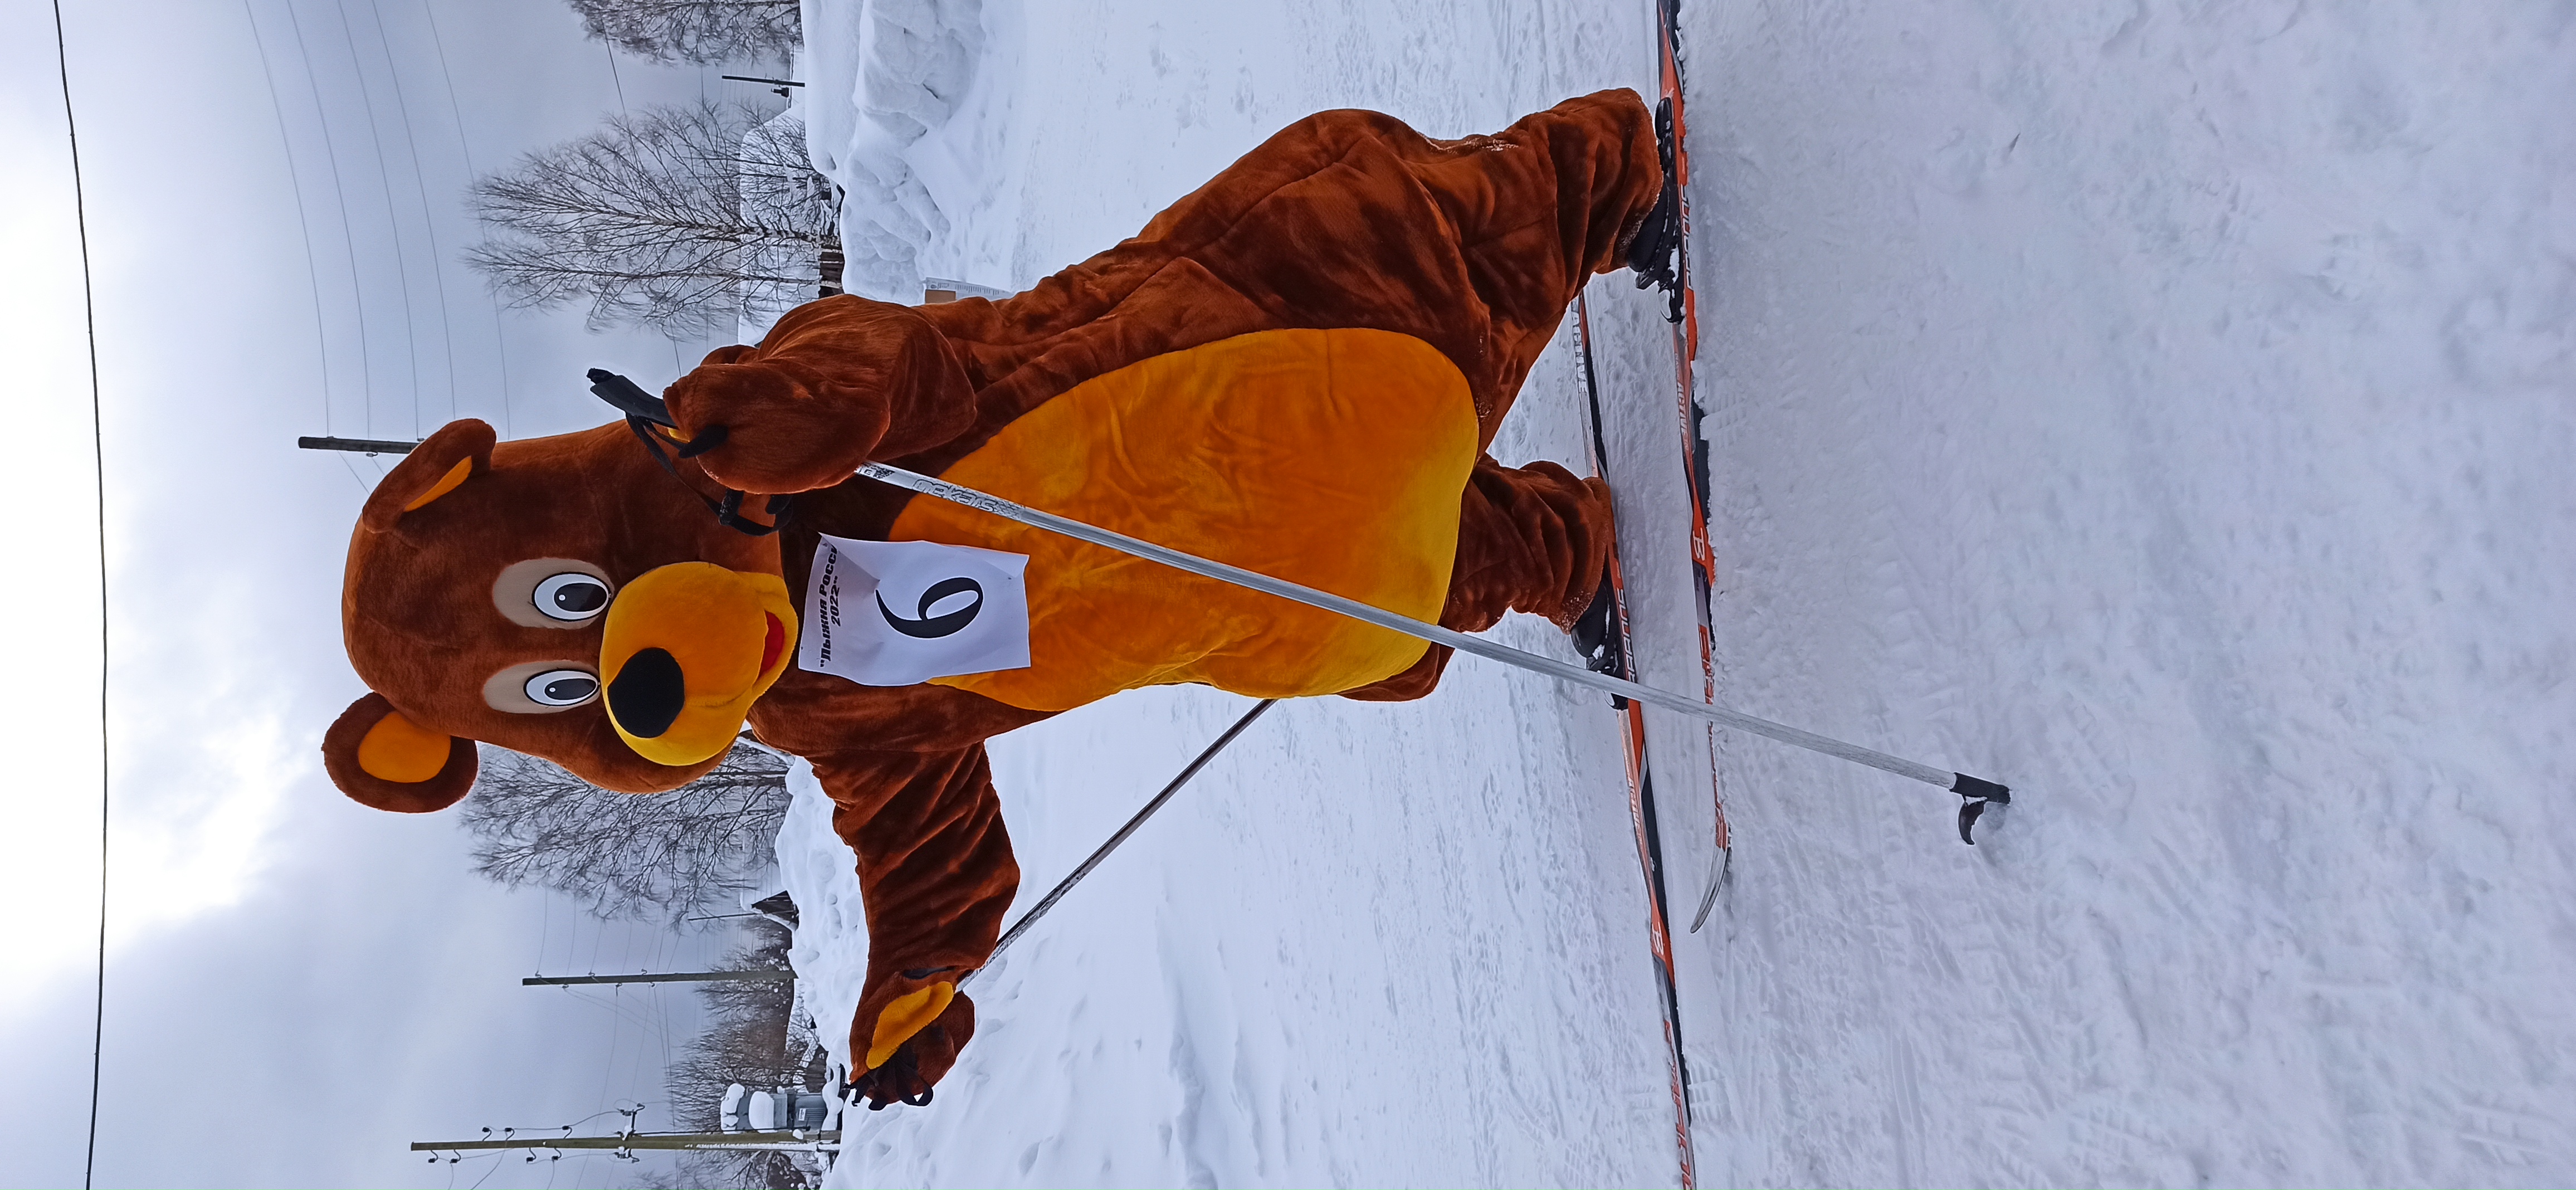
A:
(2161, 408)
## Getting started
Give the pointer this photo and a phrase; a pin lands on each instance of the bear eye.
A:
(562, 688)
(571, 597)
(563, 594)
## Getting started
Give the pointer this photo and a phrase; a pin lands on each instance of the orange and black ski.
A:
(1602, 636)
(1683, 313)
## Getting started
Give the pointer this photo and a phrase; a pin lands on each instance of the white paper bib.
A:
(893, 613)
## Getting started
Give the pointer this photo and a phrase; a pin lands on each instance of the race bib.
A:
(893, 613)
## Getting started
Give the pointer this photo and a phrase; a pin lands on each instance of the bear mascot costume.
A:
(1296, 369)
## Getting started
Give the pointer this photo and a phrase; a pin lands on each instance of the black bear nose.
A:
(648, 694)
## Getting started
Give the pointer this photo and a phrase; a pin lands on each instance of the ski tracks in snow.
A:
(2157, 407)
(2093, 405)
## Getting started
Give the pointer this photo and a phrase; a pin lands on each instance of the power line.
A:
(340, 196)
(608, 1069)
(428, 220)
(394, 222)
(615, 77)
(98, 457)
(385, 182)
(465, 145)
(295, 177)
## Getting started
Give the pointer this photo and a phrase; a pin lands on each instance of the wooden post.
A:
(763, 975)
(823, 1141)
(829, 263)
(373, 446)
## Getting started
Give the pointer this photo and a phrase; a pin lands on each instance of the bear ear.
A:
(383, 760)
(433, 469)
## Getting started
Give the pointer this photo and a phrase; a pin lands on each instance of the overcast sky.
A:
(296, 987)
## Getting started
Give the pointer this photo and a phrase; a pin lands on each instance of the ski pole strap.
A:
(1956, 782)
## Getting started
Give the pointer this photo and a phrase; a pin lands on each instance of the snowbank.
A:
(830, 954)
(883, 76)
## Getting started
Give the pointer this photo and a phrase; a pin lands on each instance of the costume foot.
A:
(1652, 254)
(1596, 635)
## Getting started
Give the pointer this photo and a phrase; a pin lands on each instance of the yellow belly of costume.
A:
(1335, 459)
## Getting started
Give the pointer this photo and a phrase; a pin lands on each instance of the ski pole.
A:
(640, 406)
(1083, 869)
(1977, 790)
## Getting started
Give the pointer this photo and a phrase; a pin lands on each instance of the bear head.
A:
(564, 597)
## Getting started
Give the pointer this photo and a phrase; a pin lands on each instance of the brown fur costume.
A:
(1347, 219)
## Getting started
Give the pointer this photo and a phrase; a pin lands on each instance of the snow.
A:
(2160, 408)
(884, 76)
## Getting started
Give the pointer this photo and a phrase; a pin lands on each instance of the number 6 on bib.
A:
(893, 613)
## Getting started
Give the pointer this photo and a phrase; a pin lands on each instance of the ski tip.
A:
(1717, 881)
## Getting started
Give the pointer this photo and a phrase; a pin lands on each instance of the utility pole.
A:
(762, 975)
(370, 446)
(826, 1141)
(778, 85)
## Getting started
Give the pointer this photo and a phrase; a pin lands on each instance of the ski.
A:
(1609, 648)
(1683, 315)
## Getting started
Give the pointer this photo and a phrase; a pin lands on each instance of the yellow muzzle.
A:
(685, 652)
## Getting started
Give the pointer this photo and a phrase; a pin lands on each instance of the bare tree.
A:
(746, 1041)
(746, 1038)
(643, 856)
(669, 855)
(680, 218)
(700, 31)
(751, 1171)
